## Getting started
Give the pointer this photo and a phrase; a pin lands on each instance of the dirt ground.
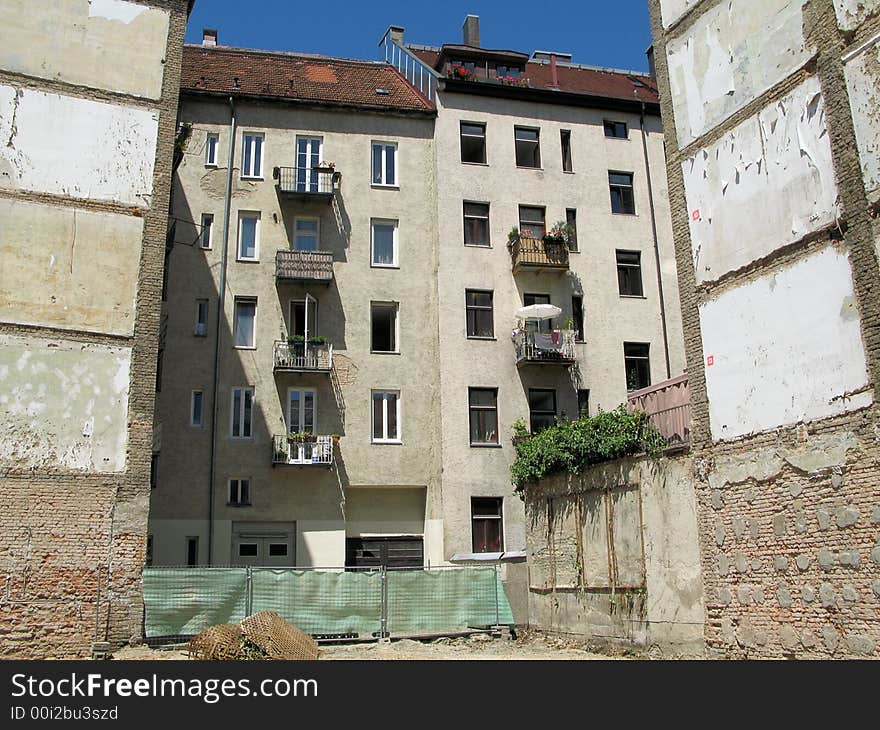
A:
(527, 645)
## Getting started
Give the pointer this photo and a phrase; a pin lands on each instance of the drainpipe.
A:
(221, 300)
(656, 242)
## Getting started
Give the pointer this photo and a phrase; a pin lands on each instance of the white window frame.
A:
(241, 422)
(384, 439)
(317, 231)
(387, 305)
(207, 225)
(211, 160)
(236, 302)
(192, 409)
(248, 214)
(395, 243)
(238, 501)
(385, 144)
(246, 139)
(201, 328)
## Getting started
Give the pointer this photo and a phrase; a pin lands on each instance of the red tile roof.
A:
(298, 77)
(576, 79)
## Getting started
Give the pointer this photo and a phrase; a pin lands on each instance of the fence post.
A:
(383, 625)
(249, 592)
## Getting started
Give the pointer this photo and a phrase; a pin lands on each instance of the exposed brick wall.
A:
(789, 521)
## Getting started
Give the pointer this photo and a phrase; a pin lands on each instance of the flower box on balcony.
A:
(302, 438)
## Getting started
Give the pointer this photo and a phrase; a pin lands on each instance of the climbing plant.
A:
(576, 445)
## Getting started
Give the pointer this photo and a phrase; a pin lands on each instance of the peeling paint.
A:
(863, 83)
(770, 179)
(733, 53)
(783, 353)
(851, 13)
(77, 147)
(115, 10)
(672, 10)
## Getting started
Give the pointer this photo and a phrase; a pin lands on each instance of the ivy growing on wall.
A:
(576, 445)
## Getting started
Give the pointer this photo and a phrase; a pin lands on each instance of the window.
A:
(212, 142)
(252, 155)
(583, 403)
(383, 327)
(512, 72)
(565, 136)
(195, 411)
(531, 221)
(154, 470)
(305, 234)
(192, 551)
(239, 492)
(242, 416)
(308, 155)
(528, 147)
(473, 142)
(577, 314)
(148, 560)
(248, 236)
(486, 524)
(621, 185)
(385, 163)
(207, 230)
(616, 129)
(201, 317)
(480, 318)
(571, 218)
(386, 416)
(384, 243)
(303, 317)
(483, 408)
(629, 273)
(244, 325)
(542, 409)
(476, 224)
(637, 365)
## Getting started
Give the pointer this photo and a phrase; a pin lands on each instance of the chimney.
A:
(396, 32)
(554, 76)
(209, 37)
(471, 31)
(652, 69)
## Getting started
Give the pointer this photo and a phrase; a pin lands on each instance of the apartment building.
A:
(298, 394)
(524, 142)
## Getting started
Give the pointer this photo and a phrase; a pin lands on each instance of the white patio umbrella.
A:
(538, 311)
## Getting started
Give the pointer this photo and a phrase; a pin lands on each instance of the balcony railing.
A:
(304, 266)
(668, 405)
(307, 183)
(537, 254)
(544, 348)
(302, 453)
(293, 356)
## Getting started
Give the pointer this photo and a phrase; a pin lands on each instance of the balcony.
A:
(668, 404)
(317, 184)
(538, 254)
(315, 266)
(294, 356)
(544, 348)
(286, 452)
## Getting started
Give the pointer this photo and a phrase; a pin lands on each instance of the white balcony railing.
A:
(556, 347)
(302, 453)
(293, 355)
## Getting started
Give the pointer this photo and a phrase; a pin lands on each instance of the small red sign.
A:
(710, 361)
(696, 214)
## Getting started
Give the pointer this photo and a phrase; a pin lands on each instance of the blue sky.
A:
(596, 32)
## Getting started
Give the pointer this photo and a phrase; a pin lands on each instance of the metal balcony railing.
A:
(527, 253)
(550, 348)
(302, 453)
(304, 266)
(291, 355)
(306, 181)
(668, 405)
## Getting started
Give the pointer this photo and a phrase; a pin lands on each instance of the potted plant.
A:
(325, 167)
(335, 438)
(513, 236)
(457, 71)
(317, 340)
(302, 437)
(559, 233)
(520, 431)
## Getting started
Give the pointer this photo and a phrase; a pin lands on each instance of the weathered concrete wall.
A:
(88, 106)
(863, 83)
(851, 13)
(614, 555)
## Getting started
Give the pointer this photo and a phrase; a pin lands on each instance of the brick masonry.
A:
(72, 543)
(789, 520)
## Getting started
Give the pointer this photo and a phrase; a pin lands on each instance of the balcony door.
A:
(303, 325)
(301, 419)
(545, 325)
(308, 154)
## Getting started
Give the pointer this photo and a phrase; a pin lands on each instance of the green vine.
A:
(576, 445)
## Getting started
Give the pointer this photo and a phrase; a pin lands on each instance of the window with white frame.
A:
(384, 242)
(201, 317)
(212, 143)
(248, 236)
(242, 413)
(384, 163)
(305, 234)
(386, 416)
(196, 408)
(308, 155)
(252, 155)
(383, 327)
(239, 492)
(244, 325)
(207, 232)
